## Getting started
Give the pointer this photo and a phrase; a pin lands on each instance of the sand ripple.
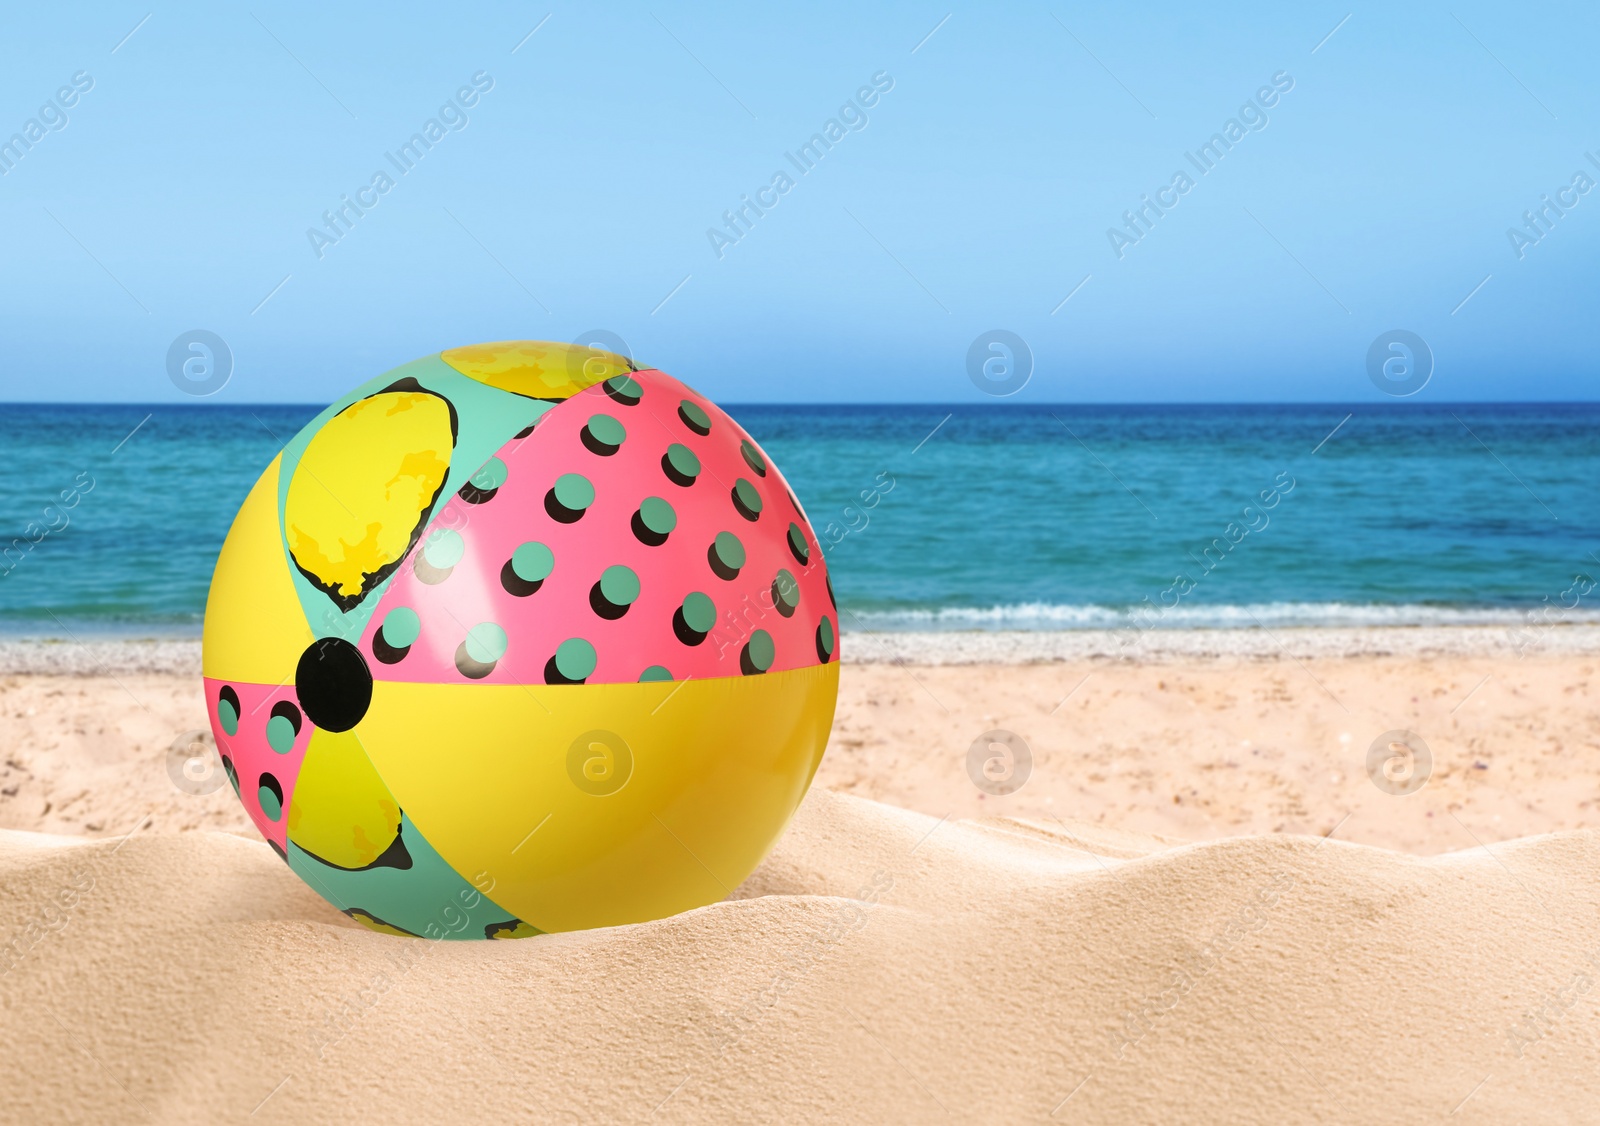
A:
(882, 966)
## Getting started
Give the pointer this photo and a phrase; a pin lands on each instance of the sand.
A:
(1223, 742)
(882, 965)
(1085, 949)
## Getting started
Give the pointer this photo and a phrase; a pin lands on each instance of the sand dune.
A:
(881, 965)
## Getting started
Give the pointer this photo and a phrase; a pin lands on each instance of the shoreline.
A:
(103, 656)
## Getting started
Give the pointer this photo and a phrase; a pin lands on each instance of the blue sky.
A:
(976, 195)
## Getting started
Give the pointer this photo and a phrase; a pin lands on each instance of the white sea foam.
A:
(1032, 633)
(1271, 615)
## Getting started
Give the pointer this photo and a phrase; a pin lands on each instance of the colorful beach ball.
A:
(520, 638)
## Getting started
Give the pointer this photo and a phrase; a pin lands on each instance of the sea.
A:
(959, 517)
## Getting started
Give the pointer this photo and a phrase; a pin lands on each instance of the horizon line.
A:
(946, 404)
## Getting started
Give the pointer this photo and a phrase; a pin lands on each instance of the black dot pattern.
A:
(594, 466)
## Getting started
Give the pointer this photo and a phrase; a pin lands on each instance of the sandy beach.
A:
(1199, 735)
(1196, 906)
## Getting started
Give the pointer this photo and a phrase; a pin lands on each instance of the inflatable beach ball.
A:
(520, 638)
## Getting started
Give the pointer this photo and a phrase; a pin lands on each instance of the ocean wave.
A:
(1069, 616)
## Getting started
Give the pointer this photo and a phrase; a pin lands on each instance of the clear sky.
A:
(974, 193)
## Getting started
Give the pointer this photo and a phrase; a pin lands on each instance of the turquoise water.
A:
(939, 517)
